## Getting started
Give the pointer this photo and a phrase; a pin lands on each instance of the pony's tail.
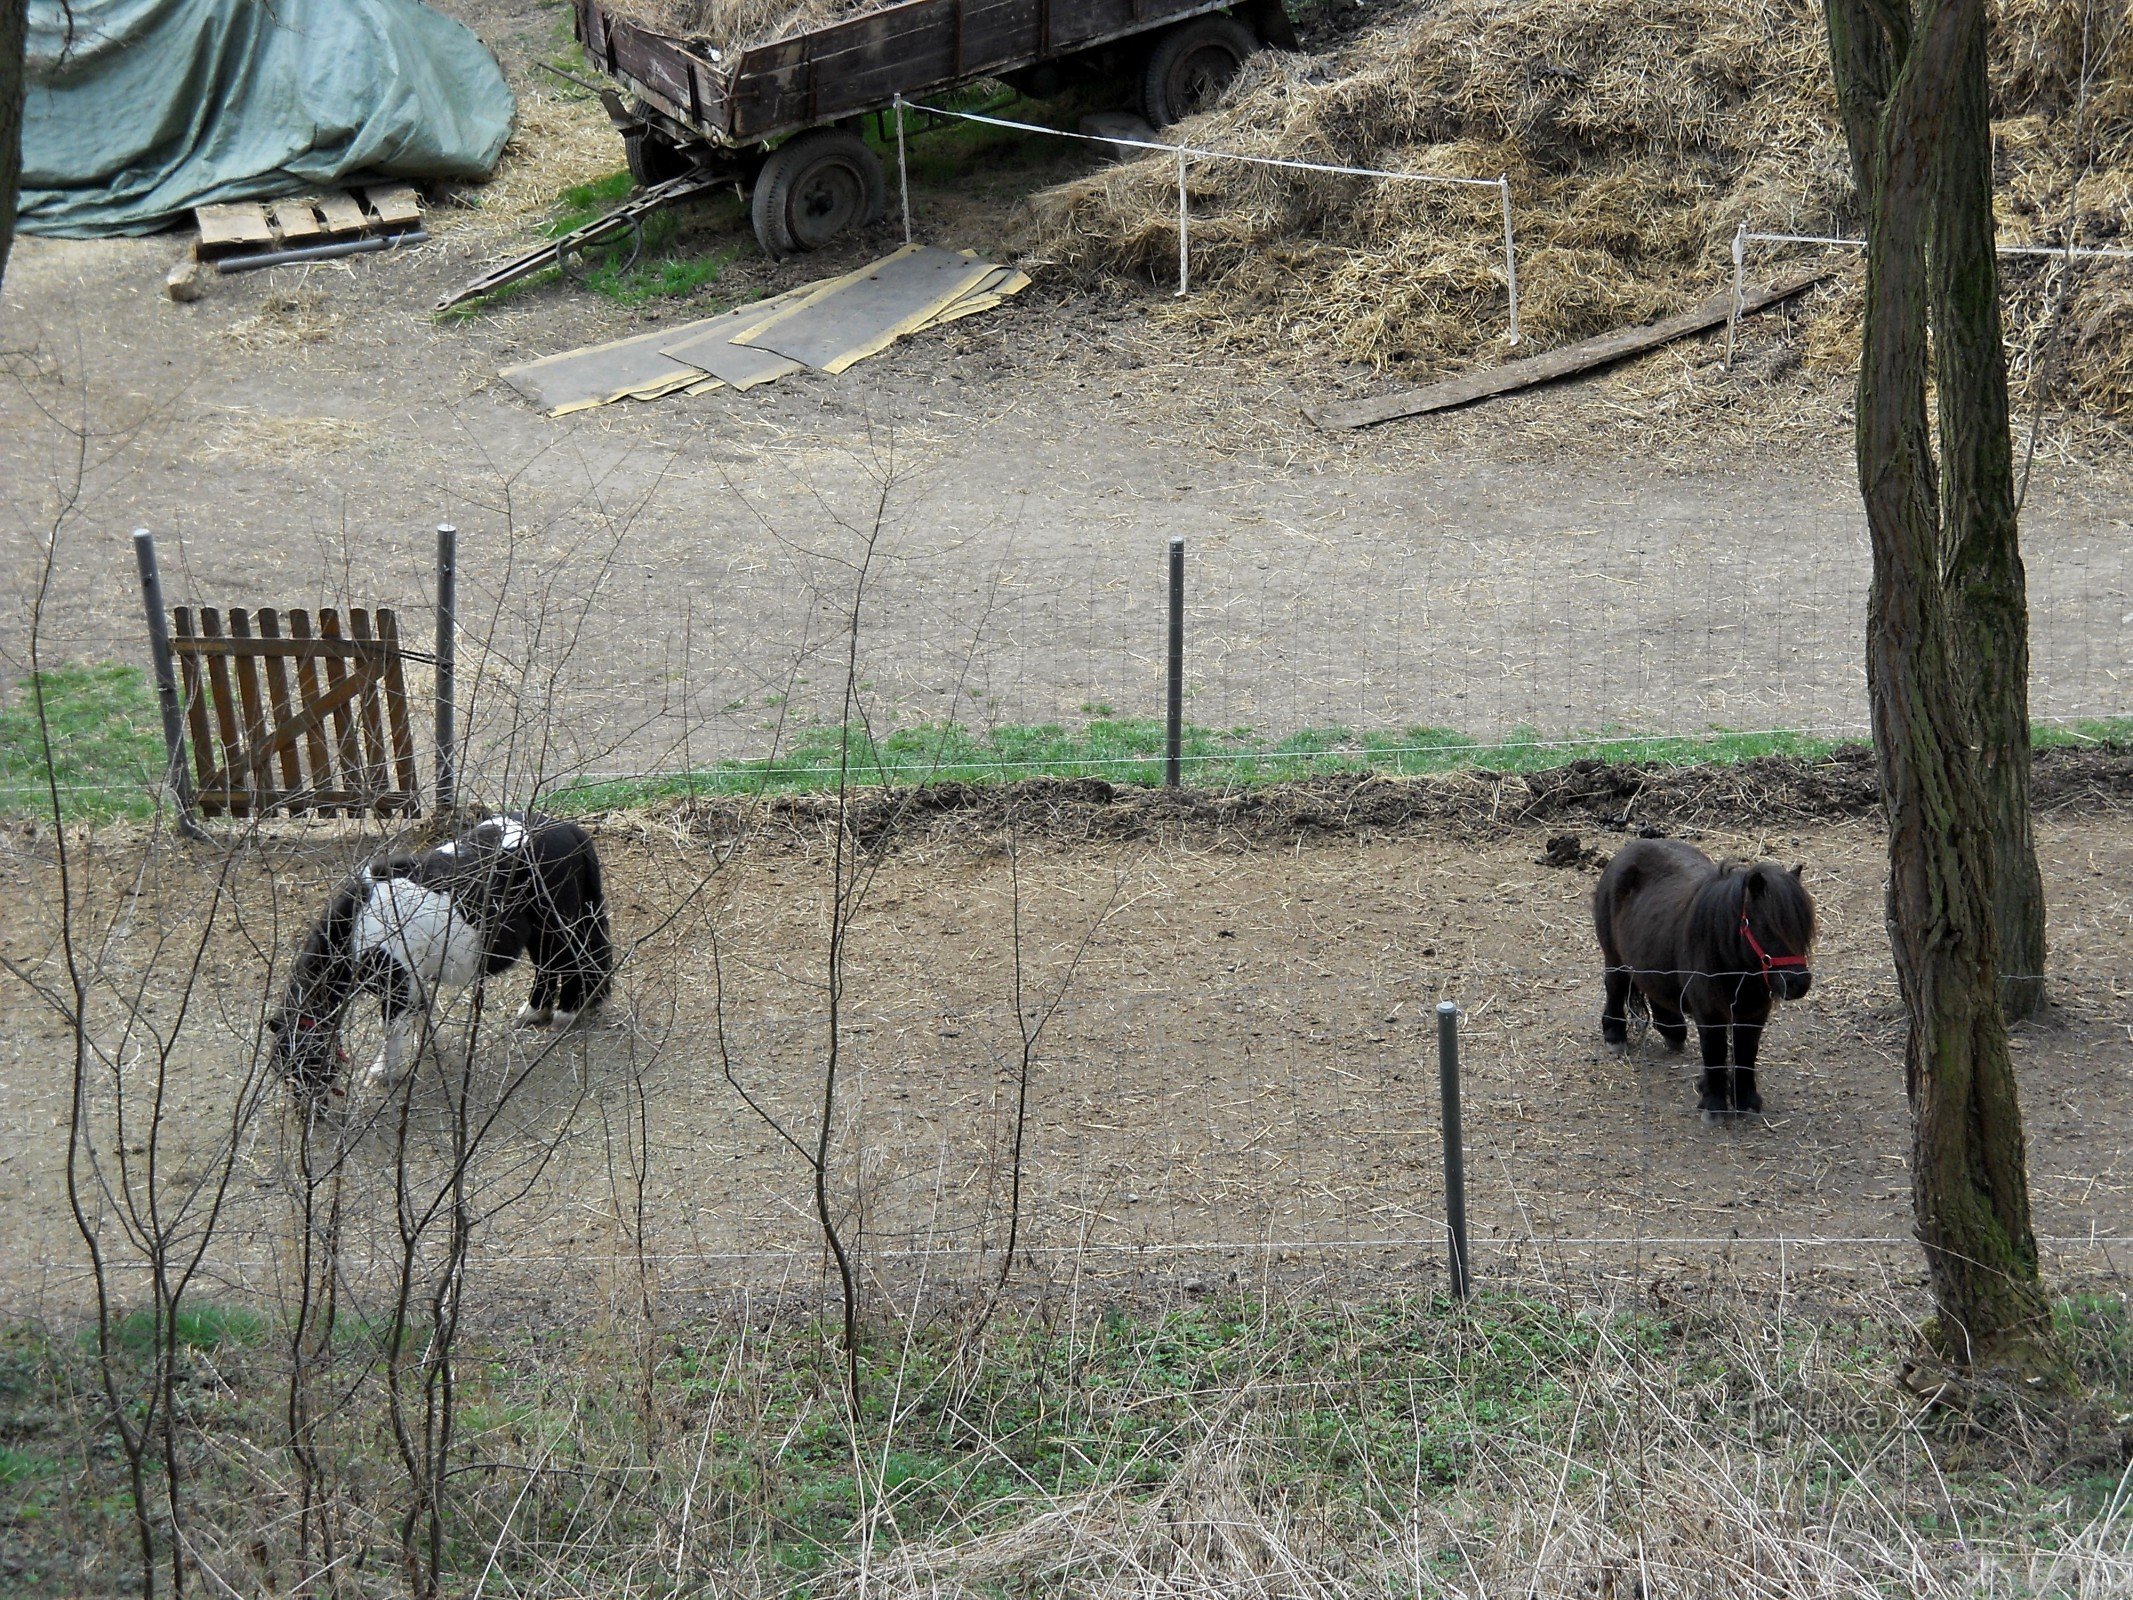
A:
(599, 947)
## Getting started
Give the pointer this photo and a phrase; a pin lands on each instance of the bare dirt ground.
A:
(1239, 1081)
(1242, 1063)
(1667, 549)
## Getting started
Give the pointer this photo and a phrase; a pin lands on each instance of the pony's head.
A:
(307, 1024)
(1777, 929)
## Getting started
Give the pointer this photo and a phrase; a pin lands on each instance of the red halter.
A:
(1770, 962)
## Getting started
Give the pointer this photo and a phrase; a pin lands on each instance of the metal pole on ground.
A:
(174, 773)
(1510, 254)
(447, 663)
(1174, 699)
(1184, 229)
(903, 173)
(1454, 1144)
(1740, 251)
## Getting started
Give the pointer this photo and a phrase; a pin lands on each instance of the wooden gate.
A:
(285, 716)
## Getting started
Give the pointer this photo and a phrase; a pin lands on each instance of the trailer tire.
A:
(652, 160)
(814, 187)
(1191, 65)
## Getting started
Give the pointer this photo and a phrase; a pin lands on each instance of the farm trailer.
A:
(781, 120)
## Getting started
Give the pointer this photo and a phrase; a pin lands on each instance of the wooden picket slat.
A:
(307, 691)
(376, 770)
(344, 745)
(230, 765)
(182, 640)
(276, 667)
(252, 717)
(347, 751)
(397, 722)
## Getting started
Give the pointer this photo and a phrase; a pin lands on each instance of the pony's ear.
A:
(1755, 880)
(1796, 871)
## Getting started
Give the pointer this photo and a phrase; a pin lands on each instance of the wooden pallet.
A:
(305, 219)
(285, 716)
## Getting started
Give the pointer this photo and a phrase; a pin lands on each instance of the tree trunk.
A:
(14, 23)
(1982, 561)
(1895, 73)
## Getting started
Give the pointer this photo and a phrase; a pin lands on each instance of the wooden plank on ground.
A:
(343, 213)
(296, 221)
(222, 227)
(1567, 361)
(395, 204)
(870, 311)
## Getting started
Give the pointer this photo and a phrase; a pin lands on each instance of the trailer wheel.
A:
(651, 159)
(1191, 65)
(814, 187)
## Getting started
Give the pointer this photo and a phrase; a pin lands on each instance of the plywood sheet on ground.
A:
(709, 345)
(871, 310)
(577, 380)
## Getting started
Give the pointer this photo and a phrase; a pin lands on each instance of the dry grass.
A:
(1589, 1440)
(561, 139)
(1637, 135)
(287, 317)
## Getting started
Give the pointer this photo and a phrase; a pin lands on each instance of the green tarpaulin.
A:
(139, 110)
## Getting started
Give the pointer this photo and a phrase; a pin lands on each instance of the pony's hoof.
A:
(532, 1016)
(564, 1019)
(1616, 1047)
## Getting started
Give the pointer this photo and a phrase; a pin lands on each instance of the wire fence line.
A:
(1612, 638)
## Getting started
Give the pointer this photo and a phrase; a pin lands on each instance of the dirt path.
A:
(1671, 549)
(1240, 1078)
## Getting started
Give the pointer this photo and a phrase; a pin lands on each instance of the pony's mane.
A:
(1784, 916)
(326, 947)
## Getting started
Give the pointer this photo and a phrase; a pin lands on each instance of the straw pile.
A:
(731, 24)
(1637, 134)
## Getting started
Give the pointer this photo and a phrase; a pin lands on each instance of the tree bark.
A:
(1982, 555)
(14, 33)
(1896, 68)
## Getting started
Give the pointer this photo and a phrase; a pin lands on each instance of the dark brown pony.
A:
(1715, 942)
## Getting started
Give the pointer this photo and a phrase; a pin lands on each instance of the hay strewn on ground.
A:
(1637, 135)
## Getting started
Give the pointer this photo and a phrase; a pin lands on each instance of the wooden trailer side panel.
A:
(860, 64)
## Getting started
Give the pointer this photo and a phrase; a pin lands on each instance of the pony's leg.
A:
(1715, 1089)
(1747, 1039)
(1671, 1025)
(539, 1009)
(1614, 1009)
(400, 1003)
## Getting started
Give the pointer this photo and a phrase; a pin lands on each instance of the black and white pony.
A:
(405, 926)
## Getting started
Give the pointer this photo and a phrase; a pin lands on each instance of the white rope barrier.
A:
(1742, 238)
(1186, 152)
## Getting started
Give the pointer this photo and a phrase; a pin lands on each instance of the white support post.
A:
(903, 174)
(1740, 253)
(1510, 254)
(1184, 224)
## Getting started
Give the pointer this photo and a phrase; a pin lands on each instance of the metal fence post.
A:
(1454, 1144)
(447, 648)
(174, 772)
(903, 172)
(1174, 708)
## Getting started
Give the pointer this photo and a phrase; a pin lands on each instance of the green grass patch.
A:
(673, 261)
(106, 742)
(1130, 750)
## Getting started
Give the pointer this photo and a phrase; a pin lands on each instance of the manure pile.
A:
(1637, 134)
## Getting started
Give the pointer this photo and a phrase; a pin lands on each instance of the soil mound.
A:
(1619, 797)
(1637, 135)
